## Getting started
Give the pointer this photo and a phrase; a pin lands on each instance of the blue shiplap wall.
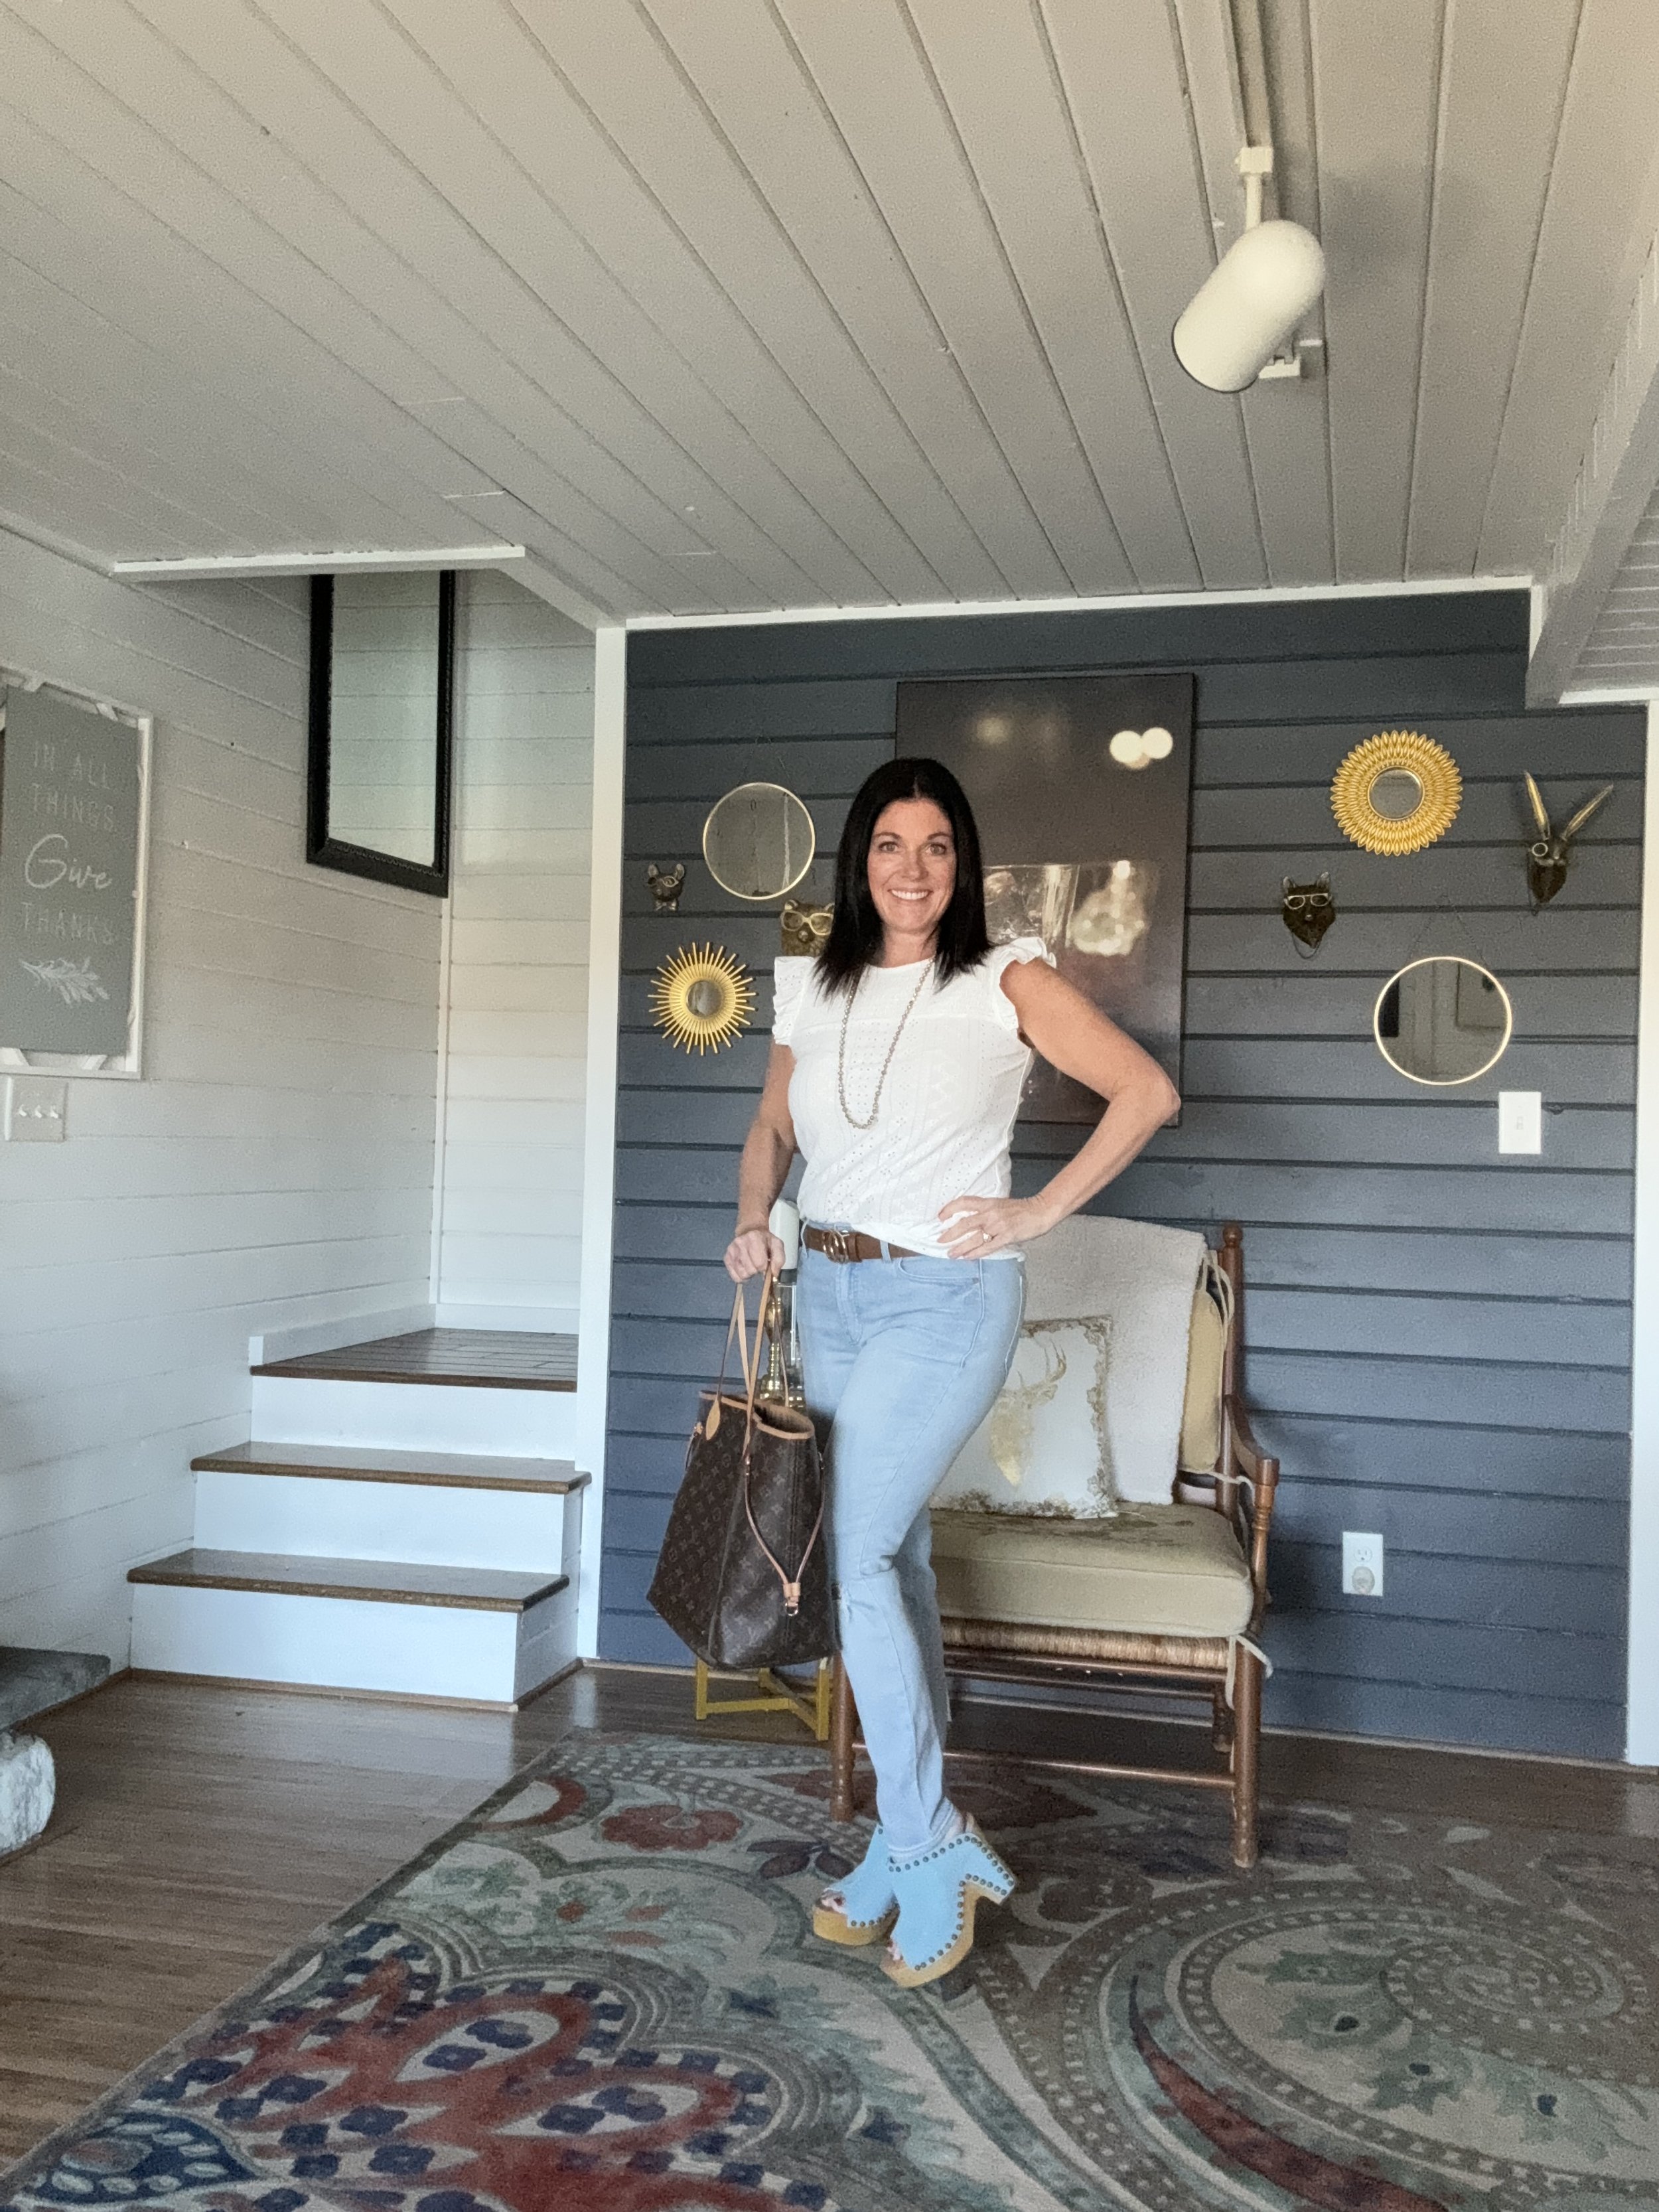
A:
(1438, 1338)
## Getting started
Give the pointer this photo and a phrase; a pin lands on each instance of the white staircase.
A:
(403, 1525)
(436, 1389)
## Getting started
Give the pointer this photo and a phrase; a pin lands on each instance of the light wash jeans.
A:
(903, 1358)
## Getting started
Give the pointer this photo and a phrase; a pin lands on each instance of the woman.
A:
(897, 1064)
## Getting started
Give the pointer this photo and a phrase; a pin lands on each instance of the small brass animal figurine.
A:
(1309, 910)
(666, 884)
(1547, 855)
(804, 930)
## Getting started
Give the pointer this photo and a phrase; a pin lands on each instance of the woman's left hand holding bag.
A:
(754, 1252)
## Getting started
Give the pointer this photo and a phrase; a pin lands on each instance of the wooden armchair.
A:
(1167, 1599)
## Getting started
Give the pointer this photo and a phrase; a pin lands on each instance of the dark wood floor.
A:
(468, 1358)
(201, 1830)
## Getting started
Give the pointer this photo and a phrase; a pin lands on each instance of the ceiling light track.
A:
(1240, 325)
(319, 562)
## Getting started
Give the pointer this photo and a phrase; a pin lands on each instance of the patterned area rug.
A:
(603, 1991)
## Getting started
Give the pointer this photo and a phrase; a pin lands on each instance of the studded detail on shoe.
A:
(937, 1896)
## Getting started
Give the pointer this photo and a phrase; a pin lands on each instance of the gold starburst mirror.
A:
(1397, 792)
(702, 998)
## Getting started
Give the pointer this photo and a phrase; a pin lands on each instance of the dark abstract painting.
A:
(1082, 787)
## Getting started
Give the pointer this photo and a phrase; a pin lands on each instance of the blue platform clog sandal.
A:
(937, 1896)
(868, 1907)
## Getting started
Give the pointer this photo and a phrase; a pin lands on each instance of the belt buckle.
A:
(843, 1240)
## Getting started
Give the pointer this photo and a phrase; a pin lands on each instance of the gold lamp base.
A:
(776, 1696)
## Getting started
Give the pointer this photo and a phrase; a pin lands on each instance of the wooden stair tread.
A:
(369, 1463)
(463, 1358)
(387, 1582)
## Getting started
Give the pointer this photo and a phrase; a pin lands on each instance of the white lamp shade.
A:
(1249, 304)
(785, 1223)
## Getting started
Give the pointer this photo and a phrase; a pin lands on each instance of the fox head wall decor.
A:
(1309, 910)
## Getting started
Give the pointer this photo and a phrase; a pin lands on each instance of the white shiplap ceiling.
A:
(719, 305)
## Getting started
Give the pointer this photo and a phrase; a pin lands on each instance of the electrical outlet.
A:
(1362, 1564)
(1520, 1122)
(36, 1112)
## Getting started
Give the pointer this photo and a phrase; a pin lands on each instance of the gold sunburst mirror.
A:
(1397, 792)
(702, 998)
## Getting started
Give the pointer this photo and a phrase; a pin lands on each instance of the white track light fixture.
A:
(1254, 298)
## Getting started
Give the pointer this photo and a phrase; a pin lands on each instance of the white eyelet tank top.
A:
(948, 1106)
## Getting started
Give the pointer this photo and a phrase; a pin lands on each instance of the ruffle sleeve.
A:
(790, 977)
(1002, 959)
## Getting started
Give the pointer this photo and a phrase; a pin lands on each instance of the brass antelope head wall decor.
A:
(1547, 854)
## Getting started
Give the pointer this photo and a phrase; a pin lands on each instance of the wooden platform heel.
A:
(938, 1898)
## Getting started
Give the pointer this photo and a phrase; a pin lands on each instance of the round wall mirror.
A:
(1443, 1020)
(1396, 793)
(758, 841)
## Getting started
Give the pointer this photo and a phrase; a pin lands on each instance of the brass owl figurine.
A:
(804, 930)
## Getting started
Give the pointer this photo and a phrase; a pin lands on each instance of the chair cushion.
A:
(1156, 1570)
(1206, 1353)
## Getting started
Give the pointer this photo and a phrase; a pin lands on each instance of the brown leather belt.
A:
(852, 1244)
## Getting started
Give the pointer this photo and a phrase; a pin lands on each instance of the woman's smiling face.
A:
(912, 870)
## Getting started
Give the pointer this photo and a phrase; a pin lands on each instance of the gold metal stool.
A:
(810, 1708)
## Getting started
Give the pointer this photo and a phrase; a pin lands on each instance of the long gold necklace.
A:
(841, 1056)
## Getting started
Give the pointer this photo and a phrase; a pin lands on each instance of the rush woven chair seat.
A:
(1167, 1596)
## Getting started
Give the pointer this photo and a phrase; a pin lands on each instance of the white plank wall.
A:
(276, 1165)
(508, 1206)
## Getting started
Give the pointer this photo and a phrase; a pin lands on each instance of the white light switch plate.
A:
(36, 1113)
(1520, 1122)
(1362, 1564)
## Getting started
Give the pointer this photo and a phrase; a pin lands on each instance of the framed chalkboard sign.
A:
(73, 819)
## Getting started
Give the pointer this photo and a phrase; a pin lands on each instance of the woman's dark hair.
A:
(855, 932)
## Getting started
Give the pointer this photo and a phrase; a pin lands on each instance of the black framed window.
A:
(382, 714)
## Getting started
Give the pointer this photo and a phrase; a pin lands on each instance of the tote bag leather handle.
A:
(791, 1582)
(791, 1586)
(738, 1329)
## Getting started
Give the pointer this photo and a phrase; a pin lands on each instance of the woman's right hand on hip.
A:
(752, 1252)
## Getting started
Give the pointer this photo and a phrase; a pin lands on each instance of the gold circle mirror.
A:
(758, 841)
(1397, 792)
(1443, 1020)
